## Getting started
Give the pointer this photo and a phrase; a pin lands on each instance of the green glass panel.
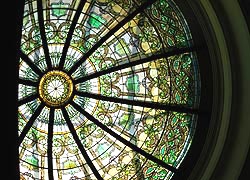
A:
(33, 161)
(133, 84)
(96, 20)
(59, 9)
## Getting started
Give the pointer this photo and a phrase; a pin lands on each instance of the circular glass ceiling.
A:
(107, 90)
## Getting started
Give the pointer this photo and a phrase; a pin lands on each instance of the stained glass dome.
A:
(107, 90)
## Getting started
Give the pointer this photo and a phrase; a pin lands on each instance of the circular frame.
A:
(55, 88)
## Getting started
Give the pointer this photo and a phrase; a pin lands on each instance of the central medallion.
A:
(55, 88)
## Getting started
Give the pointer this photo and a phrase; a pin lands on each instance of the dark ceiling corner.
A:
(245, 7)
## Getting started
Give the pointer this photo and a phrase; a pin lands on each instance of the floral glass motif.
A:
(107, 90)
